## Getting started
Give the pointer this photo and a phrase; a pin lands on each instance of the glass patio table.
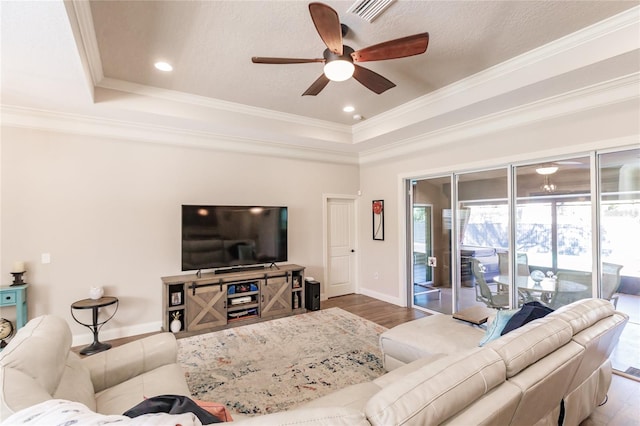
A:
(541, 291)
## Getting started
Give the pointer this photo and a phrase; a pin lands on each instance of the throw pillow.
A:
(528, 312)
(171, 404)
(494, 329)
(215, 408)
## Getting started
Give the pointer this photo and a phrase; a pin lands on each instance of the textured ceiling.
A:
(88, 67)
(210, 44)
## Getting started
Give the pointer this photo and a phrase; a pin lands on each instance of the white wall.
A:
(611, 126)
(108, 212)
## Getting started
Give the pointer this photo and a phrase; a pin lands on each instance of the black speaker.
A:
(312, 295)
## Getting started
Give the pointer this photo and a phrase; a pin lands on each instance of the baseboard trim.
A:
(381, 296)
(117, 333)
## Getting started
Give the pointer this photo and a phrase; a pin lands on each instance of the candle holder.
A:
(17, 278)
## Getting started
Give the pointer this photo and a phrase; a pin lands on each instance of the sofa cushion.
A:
(124, 362)
(40, 349)
(531, 342)
(165, 380)
(336, 416)
(33, 363)
(545, 382)
(75, 384)
(19, 391)
(530, 311)
(406, 369)
(354, 396)
(598, 342)
(426, 336)
(495, 327)
(438, 390)
(584, 313)
(495, 408)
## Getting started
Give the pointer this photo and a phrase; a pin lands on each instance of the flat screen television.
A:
(232, 236)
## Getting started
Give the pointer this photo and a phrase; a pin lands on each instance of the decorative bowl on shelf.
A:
(537, 276)
(96, 293)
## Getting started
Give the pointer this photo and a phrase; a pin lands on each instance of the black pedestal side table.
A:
(95, 305)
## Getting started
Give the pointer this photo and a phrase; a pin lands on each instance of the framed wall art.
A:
(377, 208)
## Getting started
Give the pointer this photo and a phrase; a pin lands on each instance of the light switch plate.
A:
(431, 261)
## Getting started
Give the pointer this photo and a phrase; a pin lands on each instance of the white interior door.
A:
(340, 247)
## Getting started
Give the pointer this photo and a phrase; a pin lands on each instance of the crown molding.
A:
(60, 122)
(81, 20)
(603, 94)
(614, 91)
(220, 105)
(605, 39)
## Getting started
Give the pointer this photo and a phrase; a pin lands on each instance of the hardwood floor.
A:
(383, 313)
(621, 409)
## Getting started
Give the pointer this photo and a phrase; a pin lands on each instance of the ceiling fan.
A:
(340, 60)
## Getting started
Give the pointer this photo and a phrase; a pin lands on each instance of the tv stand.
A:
(238, 269)
(232, 296)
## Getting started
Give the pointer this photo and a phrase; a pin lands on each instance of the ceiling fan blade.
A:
(317, 86)
(372, 80)
(398, 48)
(327, 24)
(262, 60)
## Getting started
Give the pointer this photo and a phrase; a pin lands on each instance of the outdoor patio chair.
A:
(611, 282)
(498, 299)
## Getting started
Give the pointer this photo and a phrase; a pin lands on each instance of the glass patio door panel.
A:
(619, 175)
(553, 222)
(432, 196)
(483, 219)
(620, 211)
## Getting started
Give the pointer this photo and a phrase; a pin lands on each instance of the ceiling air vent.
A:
(369, 9)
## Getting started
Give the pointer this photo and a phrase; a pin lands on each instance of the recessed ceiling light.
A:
(348, 108)
(163, 66)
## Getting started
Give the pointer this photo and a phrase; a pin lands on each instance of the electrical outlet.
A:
(375, 276)
(45, 258)
(431, 261)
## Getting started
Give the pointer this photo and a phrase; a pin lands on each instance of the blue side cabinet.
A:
(16, 296)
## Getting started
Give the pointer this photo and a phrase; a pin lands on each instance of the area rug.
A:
(276, 365)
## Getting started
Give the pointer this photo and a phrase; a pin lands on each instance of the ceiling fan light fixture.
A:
(548, 186)
(338, 70)
(547, 170)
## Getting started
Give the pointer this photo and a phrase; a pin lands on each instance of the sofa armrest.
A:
(124, 362)
(331, 416)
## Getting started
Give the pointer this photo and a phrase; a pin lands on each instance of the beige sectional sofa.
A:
(38, 365)
(553, 367)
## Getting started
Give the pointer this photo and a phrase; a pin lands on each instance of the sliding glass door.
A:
(553, 231)
(430, 246)
(484, 235)
(619, 252)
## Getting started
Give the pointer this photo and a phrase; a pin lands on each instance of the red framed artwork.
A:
(377, 210)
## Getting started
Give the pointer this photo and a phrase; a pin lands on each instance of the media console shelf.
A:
(215, 301)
